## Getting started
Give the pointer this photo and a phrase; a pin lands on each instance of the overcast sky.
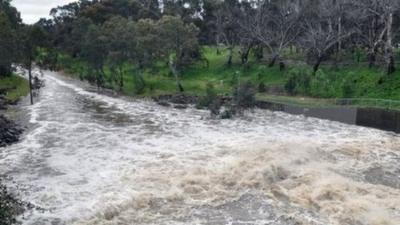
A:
(33, 10)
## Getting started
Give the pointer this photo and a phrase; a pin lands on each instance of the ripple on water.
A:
(94, 159)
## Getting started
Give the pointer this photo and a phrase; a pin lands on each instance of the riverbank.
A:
(294, 84)
(12, 89)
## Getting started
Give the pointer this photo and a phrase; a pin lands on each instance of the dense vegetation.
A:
(326, 48)
(316, 48)
(18, 45)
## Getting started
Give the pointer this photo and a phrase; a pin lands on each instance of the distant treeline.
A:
(144, 32)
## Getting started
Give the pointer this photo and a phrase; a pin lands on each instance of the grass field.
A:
(354, 80)
(15, 86)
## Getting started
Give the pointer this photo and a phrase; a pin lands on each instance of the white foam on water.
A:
(94, 159)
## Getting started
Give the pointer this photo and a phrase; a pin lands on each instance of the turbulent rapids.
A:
(93, 159)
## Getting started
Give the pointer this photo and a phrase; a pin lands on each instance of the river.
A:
(92, 159)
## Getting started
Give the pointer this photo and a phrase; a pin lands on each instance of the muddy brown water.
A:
(94, 159)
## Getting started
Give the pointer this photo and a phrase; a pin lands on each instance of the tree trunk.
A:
(259, 53)
(218, 42)
(371, 59)
(245, 55)
(389, 46)
(230, 57)
(172, 66)
(391, 68)
(30, 82)
(121, 79)
(273, 61)
(339, 40)
(99, 78)
(317, 65)
(282, 66)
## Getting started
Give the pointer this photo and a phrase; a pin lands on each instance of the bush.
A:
(262, 88)
(235, 78)
(323, 85)
(210, 100)
(227, 114)
(349, 87)
(210, 96)
(139, 84)
(299, 81)
(243, 96)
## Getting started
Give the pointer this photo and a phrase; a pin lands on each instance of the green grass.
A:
(297, 101)
(16, 86)
(349, 81)
(160, 81)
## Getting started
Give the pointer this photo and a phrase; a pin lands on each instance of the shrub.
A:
(210, 96)
(235, 78)
(349, 87)
(139, 84)
(262, 88)
(243, 96)
(210, 100)
(227, 114)
(323, 85)
(299, 81)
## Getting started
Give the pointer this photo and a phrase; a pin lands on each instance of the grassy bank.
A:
(14, 87)
(352, 80)
(330, 102)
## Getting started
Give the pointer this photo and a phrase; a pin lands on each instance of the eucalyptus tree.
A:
(7, 45)
(179, 43)
(121, 46)
(322, 32)
(10, 22)
(31, 37)
(94, 52)
(275, 24)
(246, 39)
(227, 27)
(378, 29)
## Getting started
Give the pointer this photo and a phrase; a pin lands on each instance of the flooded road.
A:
(93, 159)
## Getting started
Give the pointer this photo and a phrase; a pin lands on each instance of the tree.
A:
(121, 43)
(94, 51)
(227, 26)
(275, 24)
(9, 23)
(7, 45)
(377, 23)
(320, 36)
(31, 38)
(179, 43)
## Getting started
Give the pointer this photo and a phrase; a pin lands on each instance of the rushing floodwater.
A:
(93, 159)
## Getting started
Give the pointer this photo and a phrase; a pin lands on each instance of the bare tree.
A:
(227, 27)
(275, 24)
(323, 31)
(377, 24)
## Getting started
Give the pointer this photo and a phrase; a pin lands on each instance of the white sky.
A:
(33, 10)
